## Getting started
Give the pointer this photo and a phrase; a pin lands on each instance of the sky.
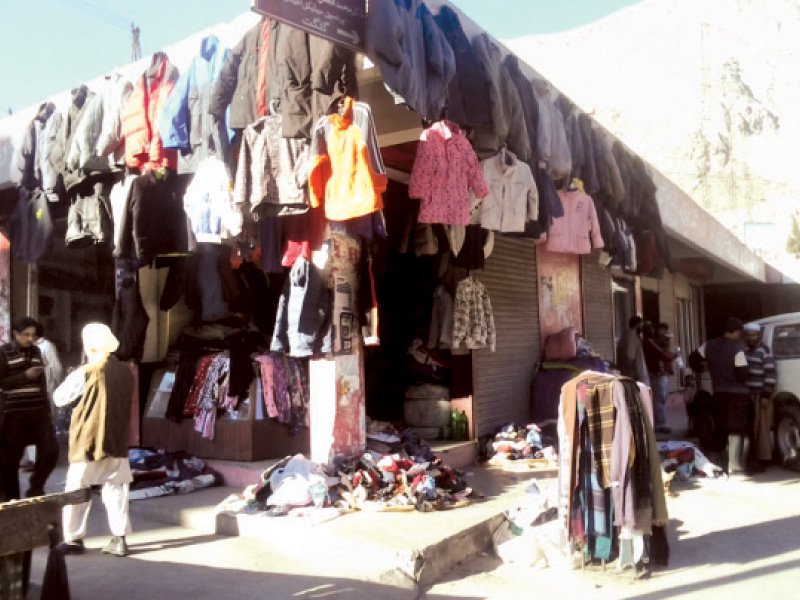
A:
(48, 46)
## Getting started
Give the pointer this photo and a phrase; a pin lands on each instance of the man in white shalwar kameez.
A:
(98, 438)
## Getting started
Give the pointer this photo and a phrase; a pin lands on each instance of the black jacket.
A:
(30, 226)
(129, 320)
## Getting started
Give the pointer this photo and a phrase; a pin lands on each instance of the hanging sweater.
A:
(347, 175)
(578, 231)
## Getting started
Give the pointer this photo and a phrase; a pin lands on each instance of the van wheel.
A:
(787, 436)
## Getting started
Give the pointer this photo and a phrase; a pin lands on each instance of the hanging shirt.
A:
(578, 231)
(473, 320)
(445, 170)
(513, 199)
(209, 204)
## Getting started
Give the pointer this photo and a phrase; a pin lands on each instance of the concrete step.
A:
(408, 550)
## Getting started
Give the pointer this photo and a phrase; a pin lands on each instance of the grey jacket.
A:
(552, 148)
(97, 144)
(508, 126)
(89, 220)
(33, 162)
(82, 97)
(413, 54)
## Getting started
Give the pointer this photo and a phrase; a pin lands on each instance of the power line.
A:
(99, 12)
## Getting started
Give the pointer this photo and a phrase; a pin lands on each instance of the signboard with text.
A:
(340, 21)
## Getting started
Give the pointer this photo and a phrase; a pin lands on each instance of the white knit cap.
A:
(97, 337)
(751, 327)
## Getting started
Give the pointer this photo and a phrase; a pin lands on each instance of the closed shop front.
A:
(502, 379)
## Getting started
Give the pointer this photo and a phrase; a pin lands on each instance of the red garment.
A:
(263, 65)
(139, 117)
(193, 399)
(303, 234)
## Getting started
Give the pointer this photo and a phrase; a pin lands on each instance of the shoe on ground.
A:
(75, 547)
(116, 546)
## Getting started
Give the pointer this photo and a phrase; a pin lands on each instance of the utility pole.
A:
(136, 47)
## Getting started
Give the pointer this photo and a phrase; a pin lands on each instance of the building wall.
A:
(597, 306)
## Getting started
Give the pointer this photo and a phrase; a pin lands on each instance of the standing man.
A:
(761, 383)
(630, 356)
(659, 368)
(27, 418)
(726, 362)
(98, 438)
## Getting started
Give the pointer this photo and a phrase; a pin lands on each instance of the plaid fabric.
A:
(600, 415)
(640, 470)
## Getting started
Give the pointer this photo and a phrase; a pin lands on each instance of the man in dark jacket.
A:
(727, 364)
(26, 413)
(659, 364)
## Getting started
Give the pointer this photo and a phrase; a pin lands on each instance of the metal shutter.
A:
(502, 379)
(598, 308)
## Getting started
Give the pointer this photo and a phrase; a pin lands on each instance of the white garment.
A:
(53, 370)
(513, 199)
(114, 474)
(71, 389)
(119, 200)
(208, 202)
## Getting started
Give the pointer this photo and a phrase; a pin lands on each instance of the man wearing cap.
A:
(726, 362)
(761, 382)
(98, 438)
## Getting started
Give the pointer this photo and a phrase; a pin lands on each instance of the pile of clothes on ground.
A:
(397, 472)
(685, 460)
(513, 443)
(164, 473)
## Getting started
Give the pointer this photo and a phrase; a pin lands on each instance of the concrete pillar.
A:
(337, 406)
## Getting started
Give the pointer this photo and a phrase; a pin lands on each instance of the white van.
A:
(781, 333)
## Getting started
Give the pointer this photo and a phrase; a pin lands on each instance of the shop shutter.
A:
(502, 379)
(598, 306)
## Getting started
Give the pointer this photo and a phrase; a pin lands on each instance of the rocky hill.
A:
(707, 90)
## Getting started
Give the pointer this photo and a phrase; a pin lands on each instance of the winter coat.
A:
(412, 53)
(609, 178)
(30, 226)
(551, 143)
(445, 170)
(186, 123)
(33, 163)
(513, 199)
(347, 175)
(530, 105)
(578, 231)
(468, 102)
(508, 126)
(237, 83)
(154, 222)
(97, 144)
(89, 220)
(140, 117)
(312, 74)
(273, 171)
(82, 98)
(303, 322)
(208, 203)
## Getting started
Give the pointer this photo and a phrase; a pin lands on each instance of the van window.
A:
(786, 341)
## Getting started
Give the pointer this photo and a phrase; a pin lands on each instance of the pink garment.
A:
(268, 385)
(578, 231)
(445, 169)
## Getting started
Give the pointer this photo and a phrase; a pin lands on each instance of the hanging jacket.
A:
(98, 144)
(33, 163)
(209, 204)
(273, 171)
(473, 319)
(186, 123)
(82, 97)
(552, 148)
(118, 200)
(413, 55)
(530, 105)
(30, 226)
(238, 79)
(578, 231)
(129, 320)
(347, 175)
(312, 73)
(507, 126)
(153, 222)
(140, 117)
(89, 220)
(468, 100)
(303, 322)
(513, 199)
(445, 170)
